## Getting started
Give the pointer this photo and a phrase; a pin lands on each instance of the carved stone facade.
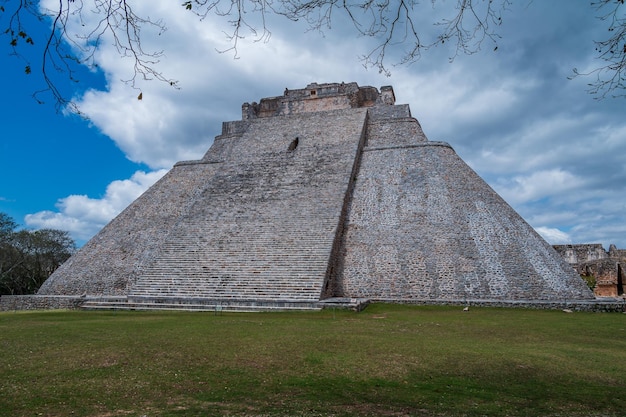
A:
(605, 270)
(324, 193)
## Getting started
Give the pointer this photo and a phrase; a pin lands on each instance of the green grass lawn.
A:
(388, 360)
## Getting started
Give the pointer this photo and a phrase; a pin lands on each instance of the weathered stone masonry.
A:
(607, 269)
(324, 193)
(423, 225)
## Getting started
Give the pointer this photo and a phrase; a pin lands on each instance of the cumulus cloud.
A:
(553, 236)
(83, 216)
(538, 185)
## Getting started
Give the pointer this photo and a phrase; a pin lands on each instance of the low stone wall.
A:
(599, 305)
(39, 302)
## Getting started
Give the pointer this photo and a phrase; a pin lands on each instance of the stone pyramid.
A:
(327, 192)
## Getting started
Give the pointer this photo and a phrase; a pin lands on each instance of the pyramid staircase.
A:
(262, 233)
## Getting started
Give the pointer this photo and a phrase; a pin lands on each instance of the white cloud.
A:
(83, 216)
(553, 236)
(538, 185)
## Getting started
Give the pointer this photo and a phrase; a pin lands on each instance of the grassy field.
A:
(388, 360)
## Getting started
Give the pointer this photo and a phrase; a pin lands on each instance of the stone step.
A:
(229, 295)
(194, 288)
(224, 293)
(229, 277)
(200, 304)
(221, 279)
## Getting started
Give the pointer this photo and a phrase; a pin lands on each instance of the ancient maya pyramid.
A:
(331, 191)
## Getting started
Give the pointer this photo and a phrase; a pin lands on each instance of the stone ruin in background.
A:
(605, 270)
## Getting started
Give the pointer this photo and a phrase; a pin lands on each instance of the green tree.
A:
(467, 25)
(7, 226)
(28, 258)
(9, 260)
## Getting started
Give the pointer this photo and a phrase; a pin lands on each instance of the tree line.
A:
(28, 258)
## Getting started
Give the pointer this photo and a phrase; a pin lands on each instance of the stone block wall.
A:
(423, 226)
(575, 254)
(315, 98)
(605, 272)
(605, 267)
(34, 302)
(617, 253)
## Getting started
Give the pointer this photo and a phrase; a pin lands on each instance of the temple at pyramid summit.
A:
(329, 193)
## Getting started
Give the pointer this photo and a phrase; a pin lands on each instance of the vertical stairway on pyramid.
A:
(264, 225)
(328, 192)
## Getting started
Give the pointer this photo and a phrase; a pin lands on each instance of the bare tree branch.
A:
(398, 26)
(610, 79)
(66, 53)
(395, 24)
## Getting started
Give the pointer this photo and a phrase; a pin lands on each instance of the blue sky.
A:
(45, 156)
(553, 152)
